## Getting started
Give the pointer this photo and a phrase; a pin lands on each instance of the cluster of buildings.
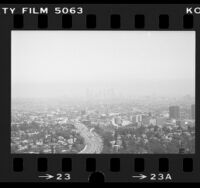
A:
(167, 133)
(174, 115)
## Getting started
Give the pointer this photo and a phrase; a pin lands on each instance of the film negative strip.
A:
(99, 92)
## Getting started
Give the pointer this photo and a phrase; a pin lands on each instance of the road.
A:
(93, 142)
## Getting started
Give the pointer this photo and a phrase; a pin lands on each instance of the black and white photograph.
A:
(102, 92)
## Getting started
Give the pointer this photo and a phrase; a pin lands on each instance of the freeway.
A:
(93, 142)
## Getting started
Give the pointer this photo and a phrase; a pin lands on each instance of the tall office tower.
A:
(174, 112)
(193, 111)
(138, 118)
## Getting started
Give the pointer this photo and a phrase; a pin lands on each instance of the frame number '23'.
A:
(61, 177)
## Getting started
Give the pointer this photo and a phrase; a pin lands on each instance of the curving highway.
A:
(93, 142)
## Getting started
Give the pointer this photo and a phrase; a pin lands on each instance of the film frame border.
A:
(116, 167)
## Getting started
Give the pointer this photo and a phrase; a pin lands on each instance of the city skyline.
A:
(48, 65)
(101, 128)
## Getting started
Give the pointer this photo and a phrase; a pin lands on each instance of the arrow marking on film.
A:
(140, 176)
(47, 176)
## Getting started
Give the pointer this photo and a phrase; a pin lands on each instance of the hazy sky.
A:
(69, 63)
